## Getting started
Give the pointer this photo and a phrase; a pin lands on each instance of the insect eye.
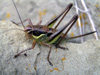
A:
(38, 32)
(29, 32)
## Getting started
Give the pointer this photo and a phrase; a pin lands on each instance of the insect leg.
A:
(48, 53)
(33, 45)
(52, 21)
(49, 57)
(55, 36)
(18, 14)
(15, 56)
(58, 46)
(29, 21)
(71, 23)
(68, 8)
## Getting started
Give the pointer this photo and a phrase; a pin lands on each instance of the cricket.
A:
(48, 35)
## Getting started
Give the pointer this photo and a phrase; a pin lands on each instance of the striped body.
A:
(42, 34)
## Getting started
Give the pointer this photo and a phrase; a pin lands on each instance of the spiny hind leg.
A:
(63, 13)
(69, 25)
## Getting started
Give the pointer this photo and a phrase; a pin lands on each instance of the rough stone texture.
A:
(80, 59)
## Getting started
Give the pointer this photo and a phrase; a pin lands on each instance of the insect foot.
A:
(64, 48)
(15, 56)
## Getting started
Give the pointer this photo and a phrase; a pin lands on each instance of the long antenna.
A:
(18, 14)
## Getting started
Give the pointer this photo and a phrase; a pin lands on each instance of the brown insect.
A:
(46, 35)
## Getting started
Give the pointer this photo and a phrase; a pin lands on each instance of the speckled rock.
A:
(80, 59)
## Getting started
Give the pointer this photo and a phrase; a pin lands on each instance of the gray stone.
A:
(80, 59)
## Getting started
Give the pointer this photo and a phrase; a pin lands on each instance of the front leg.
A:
(33, 45)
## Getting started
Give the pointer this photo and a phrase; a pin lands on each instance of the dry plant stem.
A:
(83, 25)
(90, 18)
(79, 21)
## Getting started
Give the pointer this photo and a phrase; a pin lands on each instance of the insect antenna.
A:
(18, 14)
(12, 29)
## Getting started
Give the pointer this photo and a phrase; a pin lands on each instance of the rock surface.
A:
(31, 9)
(80, 59)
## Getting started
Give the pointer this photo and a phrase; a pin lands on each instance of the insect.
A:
(46, 35)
